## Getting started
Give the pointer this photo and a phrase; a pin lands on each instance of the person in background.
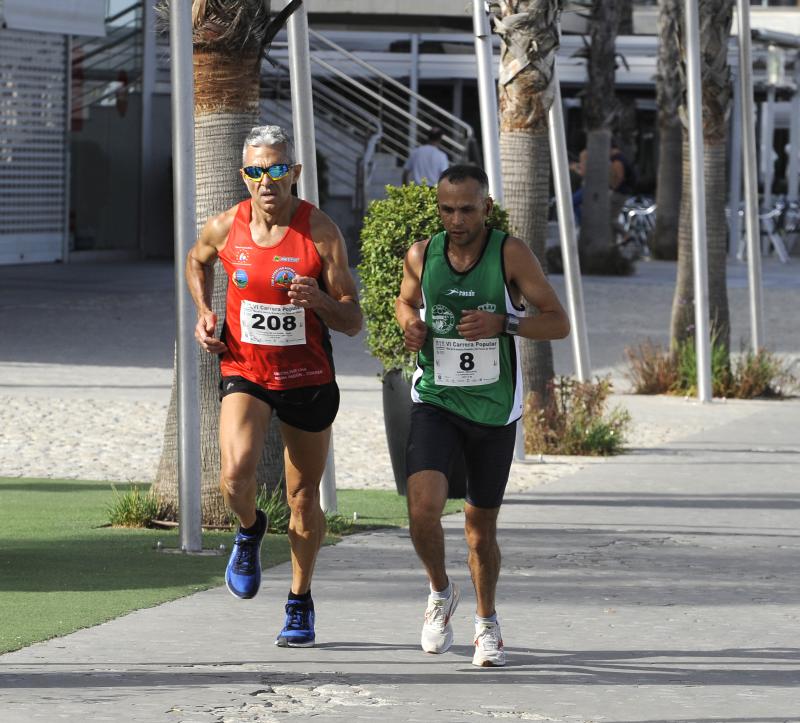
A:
(426, 163)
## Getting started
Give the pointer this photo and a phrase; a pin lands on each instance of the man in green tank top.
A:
(461, 308)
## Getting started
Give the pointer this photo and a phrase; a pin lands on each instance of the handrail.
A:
(365, 168)
(133, 7)
(117, 41)
(367, 120)
(369, 91)
(387, 78)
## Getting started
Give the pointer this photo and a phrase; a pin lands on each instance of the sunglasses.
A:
(275, 172)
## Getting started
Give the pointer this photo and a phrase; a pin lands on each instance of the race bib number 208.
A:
(272, 324)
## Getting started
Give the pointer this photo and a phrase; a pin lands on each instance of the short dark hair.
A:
(462, 171)
(434, 134)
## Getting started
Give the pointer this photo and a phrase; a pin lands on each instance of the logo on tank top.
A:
(286, 259)
(242, 257)
(239, 278)
(488, 307)
(442, 319)
(283, 277)
(459, 292)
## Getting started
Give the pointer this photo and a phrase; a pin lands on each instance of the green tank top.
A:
(478, 380)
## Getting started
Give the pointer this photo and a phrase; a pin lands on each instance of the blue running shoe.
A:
(298, 630)
(243, 574)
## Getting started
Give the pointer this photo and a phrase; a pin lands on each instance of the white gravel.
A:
(114, 431)
(106, 422)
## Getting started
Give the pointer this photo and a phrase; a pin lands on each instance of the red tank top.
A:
(271, 341)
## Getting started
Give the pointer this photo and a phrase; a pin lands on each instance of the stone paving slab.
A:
(659, 586)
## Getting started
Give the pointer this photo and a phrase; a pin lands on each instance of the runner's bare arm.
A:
(408, 303)
(525, 275)
(200, 278)
(526, 280)
(337, 305)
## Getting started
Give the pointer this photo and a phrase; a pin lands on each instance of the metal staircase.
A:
(102, 68)
(366, 122)
(375, 117)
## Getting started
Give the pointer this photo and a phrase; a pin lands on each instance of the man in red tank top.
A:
(288, 283)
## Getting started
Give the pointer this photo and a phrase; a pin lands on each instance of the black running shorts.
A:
(311, 409)
(437, 435)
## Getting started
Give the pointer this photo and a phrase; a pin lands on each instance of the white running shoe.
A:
(437, 632)
(489, 652)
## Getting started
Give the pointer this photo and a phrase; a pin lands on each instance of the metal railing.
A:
(345, 132)
(104, 67)
(360, 111)
(778, 226)
(403, 113)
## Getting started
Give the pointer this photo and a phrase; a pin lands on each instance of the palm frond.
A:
(235, 27)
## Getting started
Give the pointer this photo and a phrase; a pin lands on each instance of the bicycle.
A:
(635, 226)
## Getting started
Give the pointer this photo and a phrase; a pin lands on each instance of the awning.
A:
(66, 17)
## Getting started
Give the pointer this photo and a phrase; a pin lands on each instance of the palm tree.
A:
(626, 125)
(229, 40)
(669, 91)
(529, 31)
(715, 27)
(599, 111)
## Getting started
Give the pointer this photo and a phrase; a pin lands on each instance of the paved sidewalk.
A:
(662, 585)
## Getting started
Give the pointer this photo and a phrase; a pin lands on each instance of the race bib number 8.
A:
(461, 363)
(272, 324)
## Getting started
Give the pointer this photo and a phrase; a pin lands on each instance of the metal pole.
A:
(148, 81)
(458, 97)
(413, 86)
(307, 187)
(566, 227)
(302, 104)
(767, 151)
(699, 250)
(750, 176)
(67, 148)
(183, 180)
(793, 174)
(490, 126)
(490, 132)
(735, 189)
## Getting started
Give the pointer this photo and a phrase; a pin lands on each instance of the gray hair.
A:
(268, 136)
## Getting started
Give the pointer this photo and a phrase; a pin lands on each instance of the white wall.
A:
(390, 7)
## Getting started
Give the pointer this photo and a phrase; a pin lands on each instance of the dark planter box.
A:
(396, 415)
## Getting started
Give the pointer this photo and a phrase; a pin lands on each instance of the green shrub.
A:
(574, 420)
(721, 377)
(653, 370)
(408, 214)
(274, 504)
(278, 512)
(339, 524)
(133, 508)
(761, 374)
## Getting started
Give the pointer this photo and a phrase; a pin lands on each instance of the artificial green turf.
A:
(380, 508)
(62, 568)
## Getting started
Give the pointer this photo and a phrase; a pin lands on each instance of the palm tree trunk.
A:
(599, 111)
(626, 126)
(715, 25)
(669, 90)
(525, 195)
(682, 325)
(668, 193)
(226, 108)
(529, 30)
(596, 213)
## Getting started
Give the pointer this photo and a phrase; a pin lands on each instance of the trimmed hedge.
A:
(408, 214)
